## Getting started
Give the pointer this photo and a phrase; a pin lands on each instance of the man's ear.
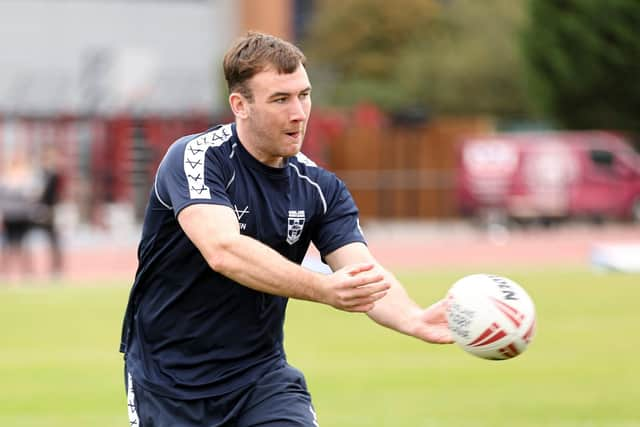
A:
(239, 105)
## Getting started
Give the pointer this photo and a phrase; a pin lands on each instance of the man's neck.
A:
(249, 144)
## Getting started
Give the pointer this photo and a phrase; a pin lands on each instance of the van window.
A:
(602, 158)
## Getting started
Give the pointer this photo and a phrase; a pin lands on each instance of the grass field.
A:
(59, 364)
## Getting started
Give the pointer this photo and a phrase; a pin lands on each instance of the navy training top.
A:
(190, 332)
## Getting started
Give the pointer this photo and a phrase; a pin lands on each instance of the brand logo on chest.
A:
(240, 213)
(295, 223)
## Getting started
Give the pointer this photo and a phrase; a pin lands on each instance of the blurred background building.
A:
(111, 83)
(398, 87)
(107, 57)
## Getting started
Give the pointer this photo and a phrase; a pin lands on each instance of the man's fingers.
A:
(359, 268)
(359, 286)
(365, 279)
(361, 308)
(368, 299)
(364, 305)
(370, 289)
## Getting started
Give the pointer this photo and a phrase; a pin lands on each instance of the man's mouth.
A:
(293, 134)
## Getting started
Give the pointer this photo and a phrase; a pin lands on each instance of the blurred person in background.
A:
(20, 189)
(45, 219)
(230, 217)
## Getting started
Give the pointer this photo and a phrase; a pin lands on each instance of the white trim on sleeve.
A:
(315, 184)
(194, 156)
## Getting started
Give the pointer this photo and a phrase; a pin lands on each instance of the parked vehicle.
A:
(549, 175)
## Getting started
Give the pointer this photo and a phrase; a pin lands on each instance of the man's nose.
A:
(298, 112)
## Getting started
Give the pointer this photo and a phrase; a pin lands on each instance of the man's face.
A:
(278, 114)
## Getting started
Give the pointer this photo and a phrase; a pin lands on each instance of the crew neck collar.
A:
(248, 159)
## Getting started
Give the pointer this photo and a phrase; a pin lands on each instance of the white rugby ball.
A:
(490, 316)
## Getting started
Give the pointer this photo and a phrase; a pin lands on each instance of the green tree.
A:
(455, 56)
(583, 62)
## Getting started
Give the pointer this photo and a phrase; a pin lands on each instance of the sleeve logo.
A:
(194, 155)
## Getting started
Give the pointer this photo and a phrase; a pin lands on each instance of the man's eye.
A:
(280, 100)
(305, 95)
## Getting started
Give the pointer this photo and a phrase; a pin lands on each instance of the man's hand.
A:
(355, 288)
(431, 324)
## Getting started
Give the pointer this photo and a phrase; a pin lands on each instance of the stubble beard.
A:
(272, 142)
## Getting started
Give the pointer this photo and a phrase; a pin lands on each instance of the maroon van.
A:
(549, 175)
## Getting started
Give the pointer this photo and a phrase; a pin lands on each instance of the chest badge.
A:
(295, 224)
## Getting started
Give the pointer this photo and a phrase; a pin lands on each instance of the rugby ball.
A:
(490, 316)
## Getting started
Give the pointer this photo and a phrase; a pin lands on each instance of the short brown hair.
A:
(254, 53)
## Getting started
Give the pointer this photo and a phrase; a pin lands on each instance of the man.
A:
(45, 219)
(19, 189)
(230, 217)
